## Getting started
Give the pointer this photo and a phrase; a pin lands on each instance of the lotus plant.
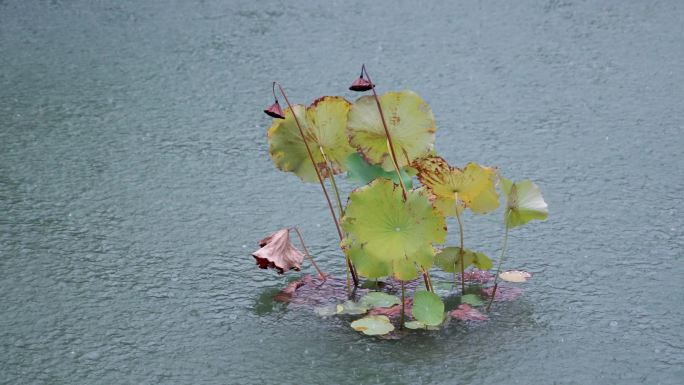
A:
(391, 229)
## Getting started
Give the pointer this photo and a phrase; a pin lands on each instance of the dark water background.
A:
(135, 181)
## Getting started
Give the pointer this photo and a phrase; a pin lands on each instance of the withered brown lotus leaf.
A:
(277, 252)
(313, 291)
(393, 311)
(466, 312)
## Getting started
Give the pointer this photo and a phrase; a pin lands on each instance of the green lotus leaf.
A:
(324, 124)
(391, 236)
(373, 325)
(472, 299)
(369, 267)
(363, 172)
(326, 311)
(414, 325)
(428, 308)
(449, 259)
(474, 184)
(379, 299)
(409, 121)
(351, 307)
(524, 202)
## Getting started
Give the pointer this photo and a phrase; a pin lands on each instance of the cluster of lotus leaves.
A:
(389, 236)
(385, 235)
(338, 128)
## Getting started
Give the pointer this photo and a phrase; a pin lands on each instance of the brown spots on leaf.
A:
(325, 169)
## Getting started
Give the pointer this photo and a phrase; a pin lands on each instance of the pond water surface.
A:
(135, 182)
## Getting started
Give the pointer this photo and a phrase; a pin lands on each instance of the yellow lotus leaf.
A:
(324, 125)
(474, 184)
(409, 121)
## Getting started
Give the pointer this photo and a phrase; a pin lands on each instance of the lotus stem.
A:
(403, 300)
(346, 258)
(306, 251)
(390, 146)
(328, 166)
(498, 269)
(460, 231)
(320, 179)
(393, 155)
(397, 169)
(427, 280)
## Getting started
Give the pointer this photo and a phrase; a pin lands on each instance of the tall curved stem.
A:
(328, 165)
(395, 163)
(403, 301)
(320, 179)
(301, 240)
(390, 146)
(498, 269)
(460, 230)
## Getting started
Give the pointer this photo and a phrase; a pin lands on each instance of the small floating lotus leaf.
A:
(379, 299)
(466, 313)
(472, 299)
(475, 184)
(524, 202)
(428, 308)
(363, 172)
(409, 121)
(324, 124)
(449, 259)
(277, 252)
(351, 307)
(414, 325)
(326, 311)
(515, 276)
(389, 235)
(373, 325)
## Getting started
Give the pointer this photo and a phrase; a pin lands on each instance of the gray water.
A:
(135, 182)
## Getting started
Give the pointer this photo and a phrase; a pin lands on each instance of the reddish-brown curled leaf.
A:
(277, 252)
(312, 291)
(503, 293)
(466, 312)
(288, 292)
(394, 311)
